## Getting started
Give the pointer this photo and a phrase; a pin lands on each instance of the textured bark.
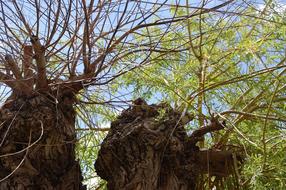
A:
(37, 136)
(148, 148)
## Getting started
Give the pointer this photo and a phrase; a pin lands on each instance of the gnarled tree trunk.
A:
(148, 148)
(37, 136)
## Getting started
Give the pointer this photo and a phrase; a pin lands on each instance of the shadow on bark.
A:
(148, 148)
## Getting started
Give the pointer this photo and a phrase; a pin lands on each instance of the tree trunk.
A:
(37, 143)
(148, 148)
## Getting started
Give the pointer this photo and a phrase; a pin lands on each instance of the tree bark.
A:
(37, 140)
(148, 148)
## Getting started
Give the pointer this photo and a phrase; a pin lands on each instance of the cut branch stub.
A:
(39, 51)
(147, 148)
(26, 66)
(27, 61)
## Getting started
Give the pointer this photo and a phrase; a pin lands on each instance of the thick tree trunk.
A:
(37, 144)
(148, 148)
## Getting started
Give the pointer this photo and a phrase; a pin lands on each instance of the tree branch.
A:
(214, 125)
(39, 50)
(27, 63)
(13, 66)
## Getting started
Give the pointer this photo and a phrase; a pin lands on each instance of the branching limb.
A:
(11, 64)
(6, 79)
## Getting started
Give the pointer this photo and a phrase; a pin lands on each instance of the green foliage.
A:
(232, 63)
(228, 51)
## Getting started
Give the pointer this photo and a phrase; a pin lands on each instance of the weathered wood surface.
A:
(148, 148)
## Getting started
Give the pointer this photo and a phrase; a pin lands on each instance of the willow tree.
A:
(57, 56)
(51, 52)
(231, 64)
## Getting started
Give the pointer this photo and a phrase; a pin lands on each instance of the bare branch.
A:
(214, 125)
(13, 66)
